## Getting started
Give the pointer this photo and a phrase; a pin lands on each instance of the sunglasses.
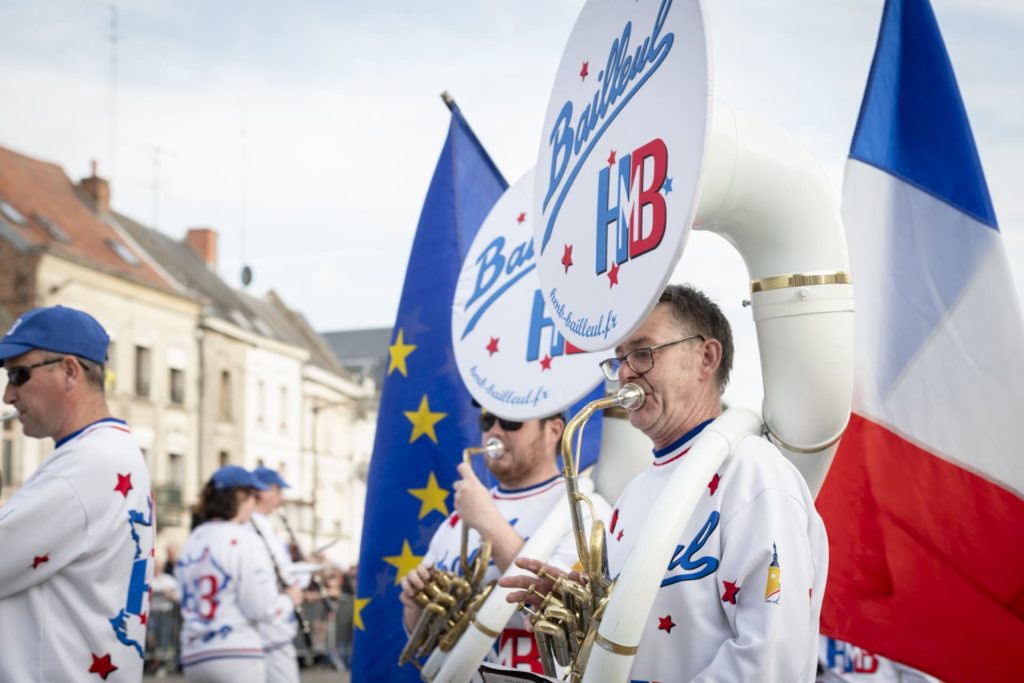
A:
(487, 421)
(20, 374)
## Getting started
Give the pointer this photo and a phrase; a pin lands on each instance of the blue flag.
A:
(426, 417)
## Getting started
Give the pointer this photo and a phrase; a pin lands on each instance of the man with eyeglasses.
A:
(77, 537)
(741, 597)
(529, 486)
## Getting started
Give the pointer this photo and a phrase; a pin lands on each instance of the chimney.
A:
(98, 190)
(204, 242)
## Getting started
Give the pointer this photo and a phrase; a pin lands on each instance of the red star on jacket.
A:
(567, 257)
(39, 559)
(613, 275)
(102, 666)
(619, 536)
(124, 484)
(731, 589)
(144, 618)
(545, 363)
(521, 217)
(584, 71)
(493, 346)
(713, 484)
(611, 158)
(665, 623)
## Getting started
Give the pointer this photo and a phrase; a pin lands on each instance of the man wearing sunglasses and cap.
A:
(77, 537)
(529, 485)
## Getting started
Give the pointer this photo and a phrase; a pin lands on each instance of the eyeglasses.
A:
(19, 374)
(639, 361)
(487, 421)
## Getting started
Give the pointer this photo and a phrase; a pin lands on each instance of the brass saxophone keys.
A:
(449, 602)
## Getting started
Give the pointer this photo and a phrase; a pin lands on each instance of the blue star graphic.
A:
(413, 325)
(383, 583)
(426, 533)
(667, 185)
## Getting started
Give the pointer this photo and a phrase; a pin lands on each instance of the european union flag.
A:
(426, 417)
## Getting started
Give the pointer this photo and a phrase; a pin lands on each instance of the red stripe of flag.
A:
(926, 559)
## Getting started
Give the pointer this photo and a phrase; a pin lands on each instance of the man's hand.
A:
(474, 504)
(413, 583)
(295, 593)
(533, 589)
(477, 511)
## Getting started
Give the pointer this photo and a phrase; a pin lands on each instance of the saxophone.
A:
(450, 601)
(565, 623)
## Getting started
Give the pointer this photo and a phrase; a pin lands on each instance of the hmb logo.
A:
(630, 205)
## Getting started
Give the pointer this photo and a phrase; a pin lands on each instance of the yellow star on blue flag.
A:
(432, 497)
(423, 421)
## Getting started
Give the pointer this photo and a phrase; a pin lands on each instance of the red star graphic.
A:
(613, 275)
(615, 520)
(545, 363)
(731, 589)
(611, 158)
(521, 217)
(124, 484)
(39, 559)
(144, 618)
(102, 666)
(493, 346)
(619, 536)
(585, 71)
(234, 541)
(713, 484)
(665, 623)
(567, 257)
(454, 520)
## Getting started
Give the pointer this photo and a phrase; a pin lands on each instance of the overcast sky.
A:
(306, 132)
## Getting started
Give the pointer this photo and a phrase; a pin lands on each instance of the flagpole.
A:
(448, 100)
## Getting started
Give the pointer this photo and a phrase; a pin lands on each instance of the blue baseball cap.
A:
(270, 477)
(58, 329)
(235, 477)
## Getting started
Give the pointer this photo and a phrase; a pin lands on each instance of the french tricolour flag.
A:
(923, 503)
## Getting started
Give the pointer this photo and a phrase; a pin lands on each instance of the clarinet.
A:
(307, 632)
(329, 604)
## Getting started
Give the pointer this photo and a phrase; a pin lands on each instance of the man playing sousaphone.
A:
(529, 486)
(741, 597)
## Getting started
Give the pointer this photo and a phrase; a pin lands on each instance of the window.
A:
(126, 254)
(176, 470)
(142, 371)
(177, 386)
(11, 214)
(284, 409)
(223, 458)
(111, 366)
(8, 460)
(225, 395)
(261, 402)
(51, 228)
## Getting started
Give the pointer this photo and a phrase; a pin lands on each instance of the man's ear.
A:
(711, 358)
(72, 370)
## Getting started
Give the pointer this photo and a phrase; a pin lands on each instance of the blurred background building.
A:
(205, 375)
